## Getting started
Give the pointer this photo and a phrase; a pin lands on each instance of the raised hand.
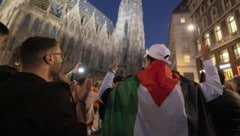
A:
(205, 53)
(114, 65)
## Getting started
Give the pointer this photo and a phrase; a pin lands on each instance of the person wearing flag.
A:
(156, 102)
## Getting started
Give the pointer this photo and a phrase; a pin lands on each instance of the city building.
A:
(218, 26)
(181, 42)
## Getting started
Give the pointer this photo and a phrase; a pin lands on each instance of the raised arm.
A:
(108, 79)
(212, 87)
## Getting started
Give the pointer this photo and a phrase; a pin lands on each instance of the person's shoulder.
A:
(59, 85)
(230, 93)
(188, 81)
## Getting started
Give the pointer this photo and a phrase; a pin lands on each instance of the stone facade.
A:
(84, 33)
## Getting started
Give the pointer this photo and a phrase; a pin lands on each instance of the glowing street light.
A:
(81, 70)
(191, 27)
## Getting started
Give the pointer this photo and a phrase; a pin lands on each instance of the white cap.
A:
(159, 52)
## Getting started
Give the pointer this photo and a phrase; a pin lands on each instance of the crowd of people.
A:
(156, 101)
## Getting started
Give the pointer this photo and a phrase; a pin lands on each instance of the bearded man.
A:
(30, 103)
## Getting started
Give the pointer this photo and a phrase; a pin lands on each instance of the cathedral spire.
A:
(129, 33)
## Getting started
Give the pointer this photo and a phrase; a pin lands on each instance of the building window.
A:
(214, 14)
(227, 4)
(213, 59)
(46, 29)
(236, 49)
(26, 21)
(186, 58)
(101, 66)
(210, 2)
(218, 33)
(231, 24)
(228, 74)
(82, 20)
(54, 32)
(224, 56)
(36, 25)
(182, 20)
(204, 22)
(202, 9)
(207, 39)
(63, 41)
(199, 47)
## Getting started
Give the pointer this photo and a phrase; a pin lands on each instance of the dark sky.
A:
(156, 17)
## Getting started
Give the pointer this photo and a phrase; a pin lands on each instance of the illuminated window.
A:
(186, 58)
(236, 49)
(218, 33)
(199, 47)
(213, 59)
(228, 74)
(182, 20)
(224, 56)
(231, 25)
(207, 39)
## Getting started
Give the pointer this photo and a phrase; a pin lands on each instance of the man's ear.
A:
(49, 59)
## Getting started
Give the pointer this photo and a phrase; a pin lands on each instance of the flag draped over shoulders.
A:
(156, 102)
(121, 109)
(159, 80)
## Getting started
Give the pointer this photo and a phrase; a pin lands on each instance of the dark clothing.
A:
(31, 106)
(199, 119)
(102, 106)
(225, 111)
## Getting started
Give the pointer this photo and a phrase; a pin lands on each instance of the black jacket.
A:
(199, 118)
(225, 111)
(31, 106)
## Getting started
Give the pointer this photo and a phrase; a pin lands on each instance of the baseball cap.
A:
(159, 52)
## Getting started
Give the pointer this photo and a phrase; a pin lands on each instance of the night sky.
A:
(156, 17)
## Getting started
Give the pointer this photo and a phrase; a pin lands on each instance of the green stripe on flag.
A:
(121, 109)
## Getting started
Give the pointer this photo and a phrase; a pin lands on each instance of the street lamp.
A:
(81, 70)
(191, 27)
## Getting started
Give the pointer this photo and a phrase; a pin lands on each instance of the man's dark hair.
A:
(3, 29)
(151, 59)
(81, 81)
(33, 47)
(117, 79)
(6, 71)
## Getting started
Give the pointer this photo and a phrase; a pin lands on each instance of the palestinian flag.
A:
(153, 104)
